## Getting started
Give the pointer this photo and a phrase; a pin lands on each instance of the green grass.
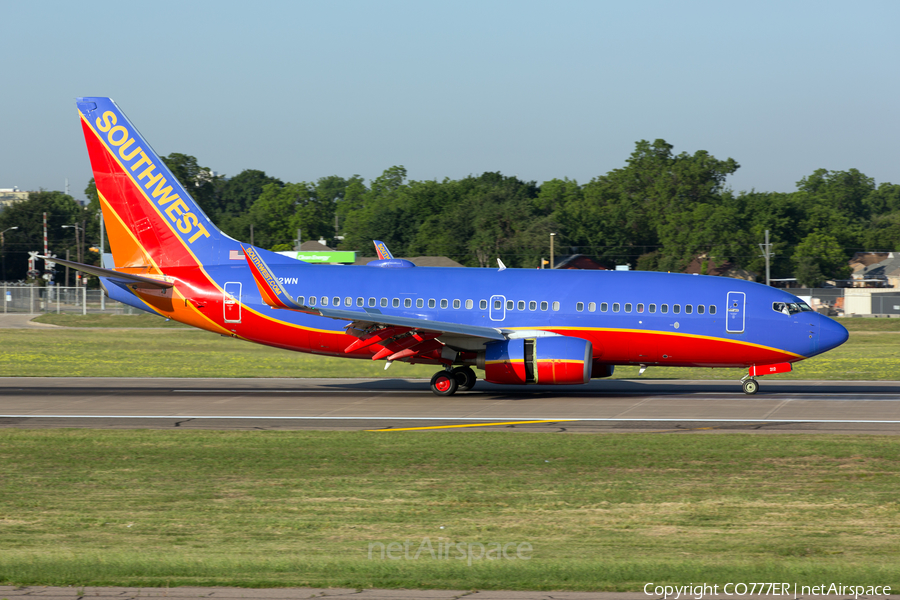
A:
(141, 320)
(612, 512)
(90, 352)
(870, 354)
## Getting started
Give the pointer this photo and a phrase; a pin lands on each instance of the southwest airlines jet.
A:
(520, 326)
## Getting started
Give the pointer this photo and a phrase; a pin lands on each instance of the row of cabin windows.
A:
(420, 303)
(639, 308)
(532, 305)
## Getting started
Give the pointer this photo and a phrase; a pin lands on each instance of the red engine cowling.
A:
(555, 360)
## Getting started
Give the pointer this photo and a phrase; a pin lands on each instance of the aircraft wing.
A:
(275, 295)
(117, 276)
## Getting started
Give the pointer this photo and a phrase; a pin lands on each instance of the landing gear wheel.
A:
(751, 386)
(465, 377)
(444, 383)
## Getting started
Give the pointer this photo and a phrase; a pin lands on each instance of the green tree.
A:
(27, 215)
(819, 257)
(198, 181)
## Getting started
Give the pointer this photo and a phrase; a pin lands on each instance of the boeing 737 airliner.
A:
(520, 326)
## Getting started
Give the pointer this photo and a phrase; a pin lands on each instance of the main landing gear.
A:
(447, 383)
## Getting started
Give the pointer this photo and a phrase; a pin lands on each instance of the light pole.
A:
(78, 256)
(3, 248)
(552, 235)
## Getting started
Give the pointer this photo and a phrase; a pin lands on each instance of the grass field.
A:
(872, 353)
(611, 512)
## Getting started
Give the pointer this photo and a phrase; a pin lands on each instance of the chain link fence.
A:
(59, 299)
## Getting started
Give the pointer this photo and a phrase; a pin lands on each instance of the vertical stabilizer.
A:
(151, 219)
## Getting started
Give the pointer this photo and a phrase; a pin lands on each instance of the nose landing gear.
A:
(751, 386)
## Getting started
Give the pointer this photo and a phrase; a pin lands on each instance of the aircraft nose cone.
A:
(831, 334)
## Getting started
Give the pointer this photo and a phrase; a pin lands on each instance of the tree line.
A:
(660, 211)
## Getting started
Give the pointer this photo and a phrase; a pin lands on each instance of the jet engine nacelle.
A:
(556, 360)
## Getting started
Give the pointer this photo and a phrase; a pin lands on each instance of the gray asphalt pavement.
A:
(353, 404)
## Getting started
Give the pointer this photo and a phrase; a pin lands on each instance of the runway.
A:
(403, 405)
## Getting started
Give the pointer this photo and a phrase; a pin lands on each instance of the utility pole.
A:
(251, 234)
(3, 248)
(767, 254)
(102, 250)
(552, 235)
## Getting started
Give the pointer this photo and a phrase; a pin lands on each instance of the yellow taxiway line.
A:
(475, 425)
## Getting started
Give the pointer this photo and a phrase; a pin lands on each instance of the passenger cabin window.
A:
(532, 305)
(604, 306)
(312, 300)
(664, 308)
(510, 305)
(384, 302)
(652, 308)
(444, 303)
(712, 309)
(579, 306)
(676, 308)
(640, 308)
(616, 307)
(482, 304)
(628, 307)
(371, 301)
(348, 301)
(431, 303)
(360, 302)
(324, 300)
(592, 306)
(700, 309)
(555, 305)
(336, 301)
(543, 306)
(420, 302)
(395, 303)
(407, 303)
(469, 304)
(456, 304)
(301, 300)
(688, 309)
(520, 305)
(498, 304)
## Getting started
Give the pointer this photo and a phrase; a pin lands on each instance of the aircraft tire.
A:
(751, 386)
(443, 383)
(465, 378)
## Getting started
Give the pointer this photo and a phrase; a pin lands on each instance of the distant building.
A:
(875, 269)
(719, 269)
(9, 196)
(578, 261)
(419, 261)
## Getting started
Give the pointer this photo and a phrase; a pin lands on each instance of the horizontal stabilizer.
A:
(127, 278)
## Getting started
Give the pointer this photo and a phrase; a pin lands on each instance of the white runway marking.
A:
(485, 419)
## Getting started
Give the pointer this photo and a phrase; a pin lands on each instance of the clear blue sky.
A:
(538, 90)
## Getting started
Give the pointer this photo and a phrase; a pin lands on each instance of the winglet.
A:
(271, 290)
(382, 250)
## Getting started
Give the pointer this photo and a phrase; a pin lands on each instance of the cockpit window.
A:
(790, 308)
(805, 307)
